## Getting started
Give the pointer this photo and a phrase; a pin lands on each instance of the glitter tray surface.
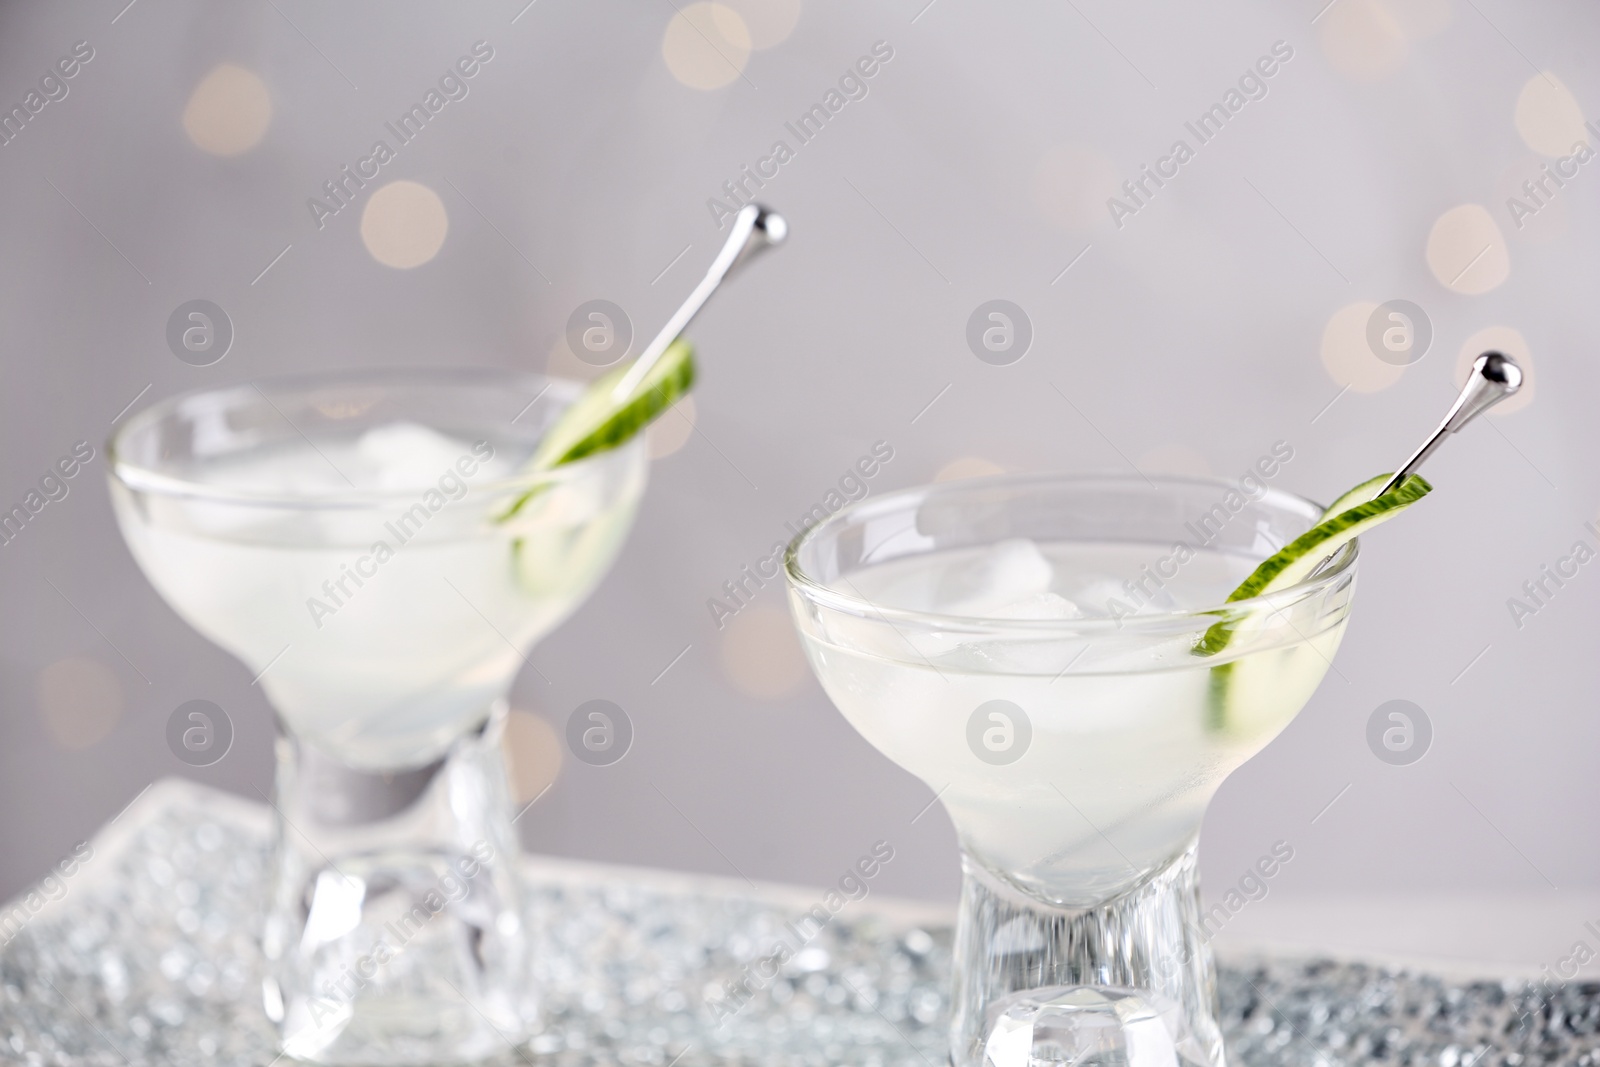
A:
(145, 954)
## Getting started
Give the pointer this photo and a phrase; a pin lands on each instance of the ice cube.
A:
(1040, 652)
(1146, 653)
(1039, 606)
(1102, 597)
(1016, 653)
(1046, 655)
(408, 455)
(1117, 599)
(1005, 573)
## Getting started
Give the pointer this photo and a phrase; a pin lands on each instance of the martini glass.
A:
(370, 547)
(1025, 646)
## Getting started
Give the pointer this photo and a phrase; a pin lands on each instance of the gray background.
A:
(579, 167)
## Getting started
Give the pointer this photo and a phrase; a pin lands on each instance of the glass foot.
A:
(1082, 1026)
(1126, 982)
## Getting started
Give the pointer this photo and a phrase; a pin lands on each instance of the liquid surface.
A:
(380, 633)
(1072, 765)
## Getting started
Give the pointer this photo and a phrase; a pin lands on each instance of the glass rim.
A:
(145, 478)
(1342, 564)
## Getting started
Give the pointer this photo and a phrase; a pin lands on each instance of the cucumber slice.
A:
(1219, 683)
(1359, 495)
(565, 560)
(1228, 699)
(1294, 562)
(599, 421)
(1258, 694)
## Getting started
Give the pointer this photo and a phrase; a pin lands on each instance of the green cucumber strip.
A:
(1296, 560)
(598, 421)
(1359, 495)
(1217, 680)
(1352, 514)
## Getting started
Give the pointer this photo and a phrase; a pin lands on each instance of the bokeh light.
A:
(967, 467)
(533, 754)
(80, 700)
(706, 45)
(1362, 40)
(770, 22)
(229, 111)
(760, 653)
(672, 430)
(1467, 251)
(404, 224)
(1347, 354)
(1548, 117)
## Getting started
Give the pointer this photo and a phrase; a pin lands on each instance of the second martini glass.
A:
(1026, 647)
(370, 546)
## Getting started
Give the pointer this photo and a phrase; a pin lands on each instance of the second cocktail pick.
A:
(1494, 377)
(755, 229)
(619, 404)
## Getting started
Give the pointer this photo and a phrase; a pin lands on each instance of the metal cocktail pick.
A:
(1494, 377)
(755, 228)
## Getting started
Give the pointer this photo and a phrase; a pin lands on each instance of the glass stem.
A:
(1148, 940)
(393, 928)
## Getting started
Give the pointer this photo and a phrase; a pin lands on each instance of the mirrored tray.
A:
(145, 954)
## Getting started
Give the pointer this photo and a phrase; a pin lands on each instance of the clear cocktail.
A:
(1027, 647)
(381, 606)
(374, 550)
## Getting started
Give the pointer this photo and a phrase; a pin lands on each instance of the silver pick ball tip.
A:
(771, 225)
(1494, 377)
(1499, 368)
